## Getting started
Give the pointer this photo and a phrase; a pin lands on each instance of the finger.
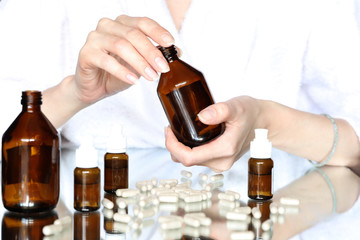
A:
(219, 112)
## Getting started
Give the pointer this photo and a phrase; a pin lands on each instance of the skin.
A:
(118, 52)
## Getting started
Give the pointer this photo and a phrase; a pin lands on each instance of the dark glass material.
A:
(116, 171)
(30, 159)
(26, 226)
(86, 226)
(87, 189)
(183, 93)
(260, 178)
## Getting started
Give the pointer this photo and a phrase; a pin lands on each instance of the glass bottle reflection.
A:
(26, 226)
(264, 207)
(87, 225)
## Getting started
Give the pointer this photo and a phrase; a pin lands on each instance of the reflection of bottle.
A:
(116, 163)
(87, 179)
(26, 226)
(264, 207)
(260, 167)
(183, 93)
(86, 226)
(30, 159)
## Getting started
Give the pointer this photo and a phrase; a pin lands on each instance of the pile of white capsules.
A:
(160, 200)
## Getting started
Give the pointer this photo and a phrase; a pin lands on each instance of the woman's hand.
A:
(240, 115)
(117, 53)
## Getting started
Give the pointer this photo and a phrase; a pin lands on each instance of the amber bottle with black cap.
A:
(30, 159)
(183, 93)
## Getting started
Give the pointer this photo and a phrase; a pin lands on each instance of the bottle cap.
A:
(116, 142)
(86, 155)
(260, 147)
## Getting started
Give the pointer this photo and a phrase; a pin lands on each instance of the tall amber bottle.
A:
(183, 93)
(116, 162)
(30, 159)
(260, 167)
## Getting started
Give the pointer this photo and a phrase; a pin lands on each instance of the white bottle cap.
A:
(116, 142)
(86, 155)
(260, 147)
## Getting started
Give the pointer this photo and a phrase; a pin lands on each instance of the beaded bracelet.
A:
(334, 145)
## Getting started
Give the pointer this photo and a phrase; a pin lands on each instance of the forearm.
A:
(61, 102)
(310, 135)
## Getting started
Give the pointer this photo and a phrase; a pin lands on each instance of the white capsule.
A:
(236, 216)
(193, 232)
(281, 209)
(192, 221)
(193, 198)
(146, 213)
(186, 174)
(154, 181)
(168, 207)
(107, 203)
(172, 182)
(184, 185)
(124, 218)
(228, 197)
(245, 209)
(205, 231)
(108, 213)
(273, 208)
(171, 233)
(168, 197)
(203, 177)
(121, 227)
(289, 201)
(167, 218)
(256, 223)
(63, 221)
(137, 224)
(205, 221)
(235, 194)
(291, 209)
(266, 235)
(195, 214)
(186, 180)
(266, 225)
(248, 235)
(256, 212)
(216, 177)
(193, 207)
(228, 204)
(237, 225)
(209, 187)
(121, 202)
(52, 229)
(173, 224)
(129, 192)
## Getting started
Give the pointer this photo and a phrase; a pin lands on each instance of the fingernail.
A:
(151, 73)
(167, 38)
(132, 78)
(162, 64)
(207, 114)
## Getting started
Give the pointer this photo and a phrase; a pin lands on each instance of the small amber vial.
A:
(87, 183)
(116, 163)
(86, 226)
(183, 93)
(30, 159)
(260, 167)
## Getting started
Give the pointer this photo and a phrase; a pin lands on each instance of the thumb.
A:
(216, 113)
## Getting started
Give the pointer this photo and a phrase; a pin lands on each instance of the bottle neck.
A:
(170, 53)
(31, 100)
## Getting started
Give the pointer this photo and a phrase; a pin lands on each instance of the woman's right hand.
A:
(117, 53)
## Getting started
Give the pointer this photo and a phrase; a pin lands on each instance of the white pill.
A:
(235, 194)
(228, 197)
(203, 177)
(192, 232)
(289, 201)
(129, 193)
(173, 224)
(168, 207)
(121, 227)
(146, 213)
(205, 231)
(205, 221)
(266, 235)
(167, 218)
(245, 209)
(195, 214)
(63, 221)
(169, 181)
(137, 224)
(186, 180)
(256, 212)
(52, 229)
(121, 202)
(281, 209)
(184, 185)
(266, 225)
(256, 223)
(209, 187)
(237, 225)
(193, 207)
(168, 197)
(248, 235)
(124, 218)
(118, 192)
(192, 221)
(216, 177)
(291, 209)
(228, 204)
(108, 213)
(236, 216)
(197, 197)
(273, 208)
(186, 174)
(154, 181)
(107, 203)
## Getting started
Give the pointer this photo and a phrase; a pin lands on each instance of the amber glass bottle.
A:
(260, 167)
(30, 159)
(26, 226)
(183, 93)
(87, 226)
(87, 179)
(116, 163)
